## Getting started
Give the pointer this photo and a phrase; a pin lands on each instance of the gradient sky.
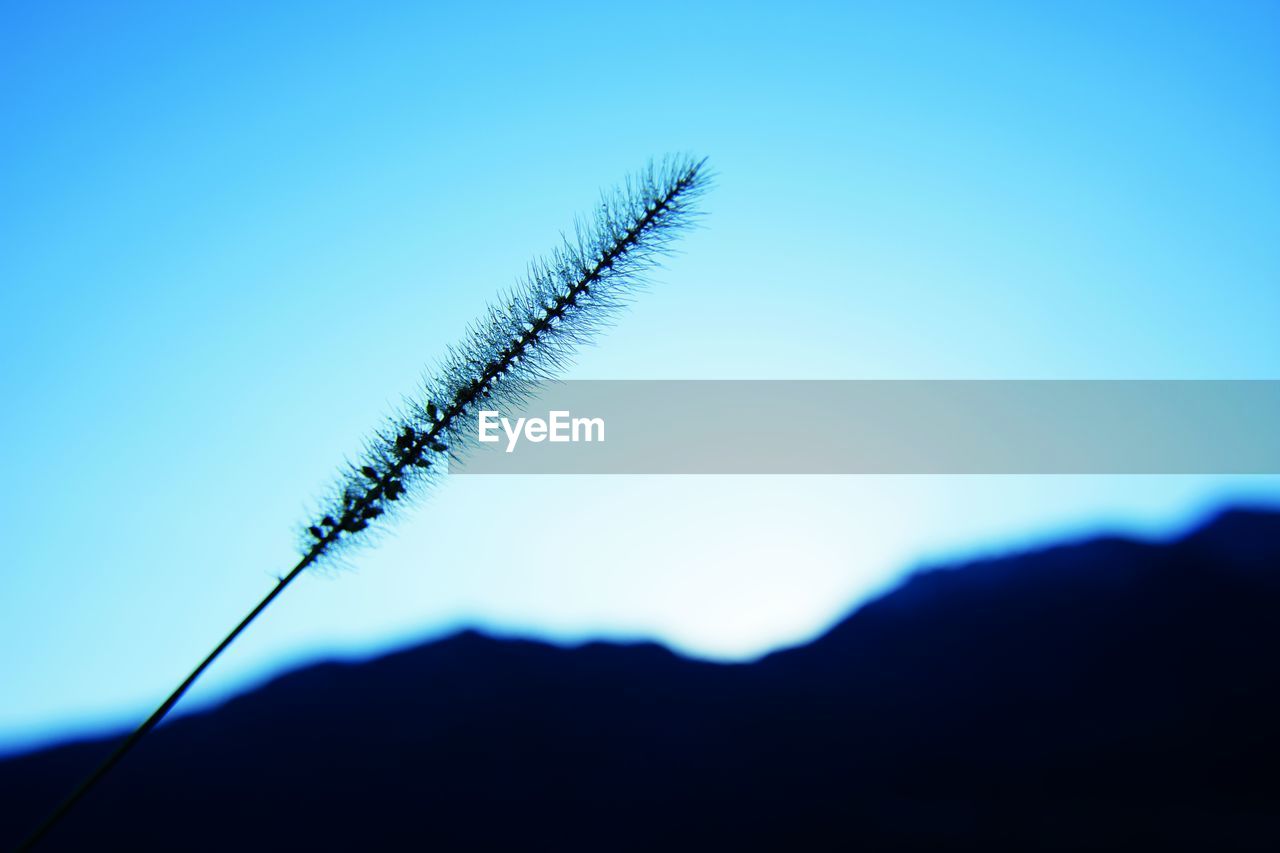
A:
(233, 235)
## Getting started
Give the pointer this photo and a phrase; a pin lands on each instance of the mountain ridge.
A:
(1103, 692)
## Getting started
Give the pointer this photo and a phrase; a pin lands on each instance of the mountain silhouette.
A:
(1103, 694)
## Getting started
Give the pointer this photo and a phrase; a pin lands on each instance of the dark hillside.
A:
(1100, 694)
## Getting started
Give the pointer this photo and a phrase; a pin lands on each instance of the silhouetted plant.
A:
(523, 339)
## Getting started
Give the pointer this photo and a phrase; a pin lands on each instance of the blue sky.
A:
(231, 237)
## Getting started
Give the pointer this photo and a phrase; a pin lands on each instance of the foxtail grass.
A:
(528, 335)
